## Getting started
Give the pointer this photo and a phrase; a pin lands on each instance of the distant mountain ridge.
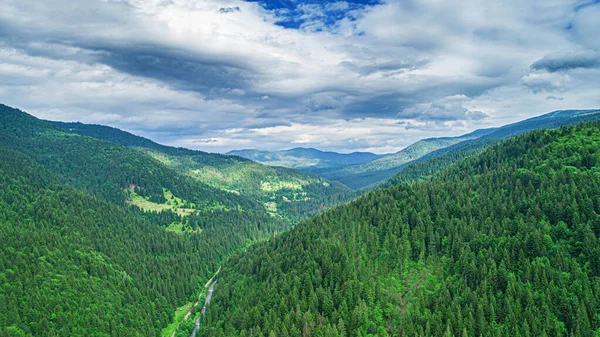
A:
(370, 174)
(435, 161)
(306, 159)
(367, 175)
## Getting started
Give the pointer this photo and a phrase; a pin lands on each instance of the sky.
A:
(361, 75)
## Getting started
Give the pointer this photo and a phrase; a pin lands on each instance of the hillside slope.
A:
(306, 159)
(73, 265)
(104, 169)
(289, 193)
(436, 161)
(102, 240)
(505, 243)
(370, 174)
(367, 175)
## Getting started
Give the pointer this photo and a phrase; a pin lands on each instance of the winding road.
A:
(206, 303)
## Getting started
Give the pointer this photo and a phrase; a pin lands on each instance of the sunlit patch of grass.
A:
(179, 315)
(173, 203)
(176, 227)
(268, 186)
(271, 207)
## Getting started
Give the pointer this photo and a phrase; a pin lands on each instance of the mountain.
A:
(102, 240)
(306, 159)
(504, 243)
(368, 175)
(435, 161)
(289, 193)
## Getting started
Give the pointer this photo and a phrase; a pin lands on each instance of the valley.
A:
(299, 168)
(287, 193)
(497, 238)
(137, 220)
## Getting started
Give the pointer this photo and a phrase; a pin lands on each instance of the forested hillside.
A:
(288, 193)
(447, 149)
(436, 161)
(367, 175)
(102, 240)
(104, 169)
(505, 243)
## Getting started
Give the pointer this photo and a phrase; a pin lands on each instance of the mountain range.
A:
(288, 193)
(306, 159)
(370, 173)
(105, 233)
(503, 243)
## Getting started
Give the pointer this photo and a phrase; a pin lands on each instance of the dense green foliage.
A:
(505, 243)
(76, 260)
(290, 194)
(102, 168)
(439, 160)
(306, 159)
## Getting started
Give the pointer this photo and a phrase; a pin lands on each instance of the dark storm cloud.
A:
(76, 35)
(177, 67)
(224, 10)
(567, 60)
(385, 106)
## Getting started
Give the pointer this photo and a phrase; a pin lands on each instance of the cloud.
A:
(539, 81)
(325, 101)
(447, 109)
(567, 60)
(180, 70)
(224, 10)
(359, 133)
(585, 26)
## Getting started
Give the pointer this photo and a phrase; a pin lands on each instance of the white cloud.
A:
(184, 70)
(539, 81)
(450, 108)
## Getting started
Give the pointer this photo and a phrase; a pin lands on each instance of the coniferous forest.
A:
(79, 259)
(299, 168)
(504, 243)
(103, 238)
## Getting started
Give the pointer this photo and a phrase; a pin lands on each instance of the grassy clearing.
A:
(268, 186)
(271, 207)
(179, 315)
(175, 227)
(173, 203)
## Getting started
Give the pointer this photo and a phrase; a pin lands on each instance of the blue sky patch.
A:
(295, 14)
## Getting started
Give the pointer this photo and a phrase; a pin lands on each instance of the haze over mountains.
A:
(306, 159)
(371, 172)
